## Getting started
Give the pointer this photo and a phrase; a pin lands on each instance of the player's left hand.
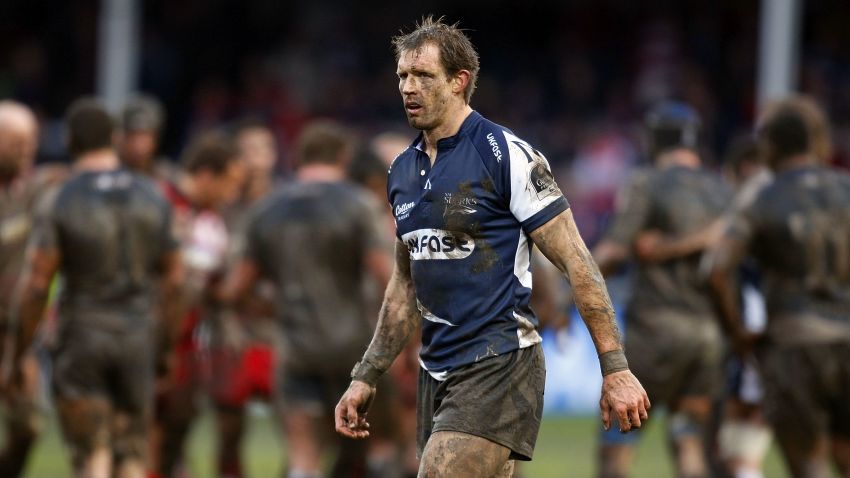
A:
(350, 412)
(624, 396)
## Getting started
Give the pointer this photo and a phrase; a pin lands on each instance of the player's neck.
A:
(447, 128)
(320, 173)
(98, 160)
(797, 161)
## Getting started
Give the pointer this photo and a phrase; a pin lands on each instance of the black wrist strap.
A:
(613, 361)
(364, 371)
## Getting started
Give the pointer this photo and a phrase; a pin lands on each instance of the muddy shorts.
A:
(805, 391)
(500, 399)
(675, 355)
(115, 367)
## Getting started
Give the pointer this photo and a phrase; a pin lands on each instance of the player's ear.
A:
(460, 81)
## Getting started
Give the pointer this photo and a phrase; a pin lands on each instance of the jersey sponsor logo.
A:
(402, 211)
(539, 176)
(437, 244)
(459, 204)
(494, 145)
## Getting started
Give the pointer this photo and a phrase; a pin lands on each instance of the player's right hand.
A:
(350, 412)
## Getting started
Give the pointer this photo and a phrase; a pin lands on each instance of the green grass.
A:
(566, 448)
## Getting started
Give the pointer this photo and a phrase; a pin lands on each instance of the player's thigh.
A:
(450, 454)
(86, 424)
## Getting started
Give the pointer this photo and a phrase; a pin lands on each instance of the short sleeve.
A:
(632, 210)
(534, 195)
(45, 234)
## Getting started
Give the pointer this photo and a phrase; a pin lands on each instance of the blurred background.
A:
(573, 77)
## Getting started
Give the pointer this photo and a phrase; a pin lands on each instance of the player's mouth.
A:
(413, 108)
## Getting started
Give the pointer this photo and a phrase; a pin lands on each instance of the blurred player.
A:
(21, 187)
(468, 197)
(672, 332)
(797, 229)
(317, 239)
(212, 179)
(245, 343)
(109, 232)
(142, 122)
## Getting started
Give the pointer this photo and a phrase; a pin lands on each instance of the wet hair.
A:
(90, 127)
(324, 142)
(784, 134)
(211, 151)
(456, 51)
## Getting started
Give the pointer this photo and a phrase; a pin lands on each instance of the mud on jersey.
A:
(466, 222)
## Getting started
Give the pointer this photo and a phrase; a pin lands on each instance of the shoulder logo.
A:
(494, 146)
(540, 178)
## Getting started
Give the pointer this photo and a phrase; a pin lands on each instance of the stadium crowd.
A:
(227, 270)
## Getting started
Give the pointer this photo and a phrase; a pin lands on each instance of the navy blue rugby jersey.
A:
(465, 222)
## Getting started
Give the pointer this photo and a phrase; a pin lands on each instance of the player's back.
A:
(681, 201)
(311, 240)
(112, 229)
(801, 239)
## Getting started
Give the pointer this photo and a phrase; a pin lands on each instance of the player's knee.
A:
(686, 425)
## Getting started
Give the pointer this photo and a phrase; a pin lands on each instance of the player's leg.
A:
(482, 415)
(24, 419)
(133, 393)
(230, 423)
(687, 428)
(450, 454)
(616, 452)
(85, 424)
(300, 409)
(792, 406)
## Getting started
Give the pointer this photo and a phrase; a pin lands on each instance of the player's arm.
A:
(724, 258)
(560, 242)
(32, 293)
(630, 218)
(397, 321)
(173, 303)
(654, 246)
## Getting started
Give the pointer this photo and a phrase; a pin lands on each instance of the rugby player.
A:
(469, 198)
(673, 332)
(212, 179)
(21, 188)
(142, 123)
(797, 230)
(317, 239)
(109, 233)
(244, 343)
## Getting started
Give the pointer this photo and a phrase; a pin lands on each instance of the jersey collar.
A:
(450, 142)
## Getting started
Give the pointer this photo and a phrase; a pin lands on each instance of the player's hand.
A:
(623, 396)
(646, 245)
(350, 412)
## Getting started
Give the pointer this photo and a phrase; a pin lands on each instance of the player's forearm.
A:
(560, 241)
(397, 321)
(30, 310)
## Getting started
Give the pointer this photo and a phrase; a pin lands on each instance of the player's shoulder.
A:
(406, 158)
(492, 140)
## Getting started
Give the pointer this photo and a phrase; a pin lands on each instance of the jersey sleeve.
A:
(632, 210)
(45, 233)
(534, 195)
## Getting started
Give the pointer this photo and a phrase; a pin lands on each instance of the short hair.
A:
(90, 127)
(211, 151)
(456, 51)
(784, 134)
(323, 142)
(143, 113)
(817, 124)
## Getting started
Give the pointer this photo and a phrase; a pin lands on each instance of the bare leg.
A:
(805, 460)
(303, 442)
(451, 454)
(129, 444)
(841, 454)
(615, 461)
(231, 427)
(86, 425)
(687, 430)
(24, 421)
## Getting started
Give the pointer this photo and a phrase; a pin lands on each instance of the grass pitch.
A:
(566, 448)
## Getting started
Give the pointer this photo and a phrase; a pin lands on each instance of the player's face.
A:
(258, 150)
(424, 86)
(138, 148)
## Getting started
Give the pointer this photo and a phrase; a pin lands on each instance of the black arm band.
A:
(364, 371)
(613, 361)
